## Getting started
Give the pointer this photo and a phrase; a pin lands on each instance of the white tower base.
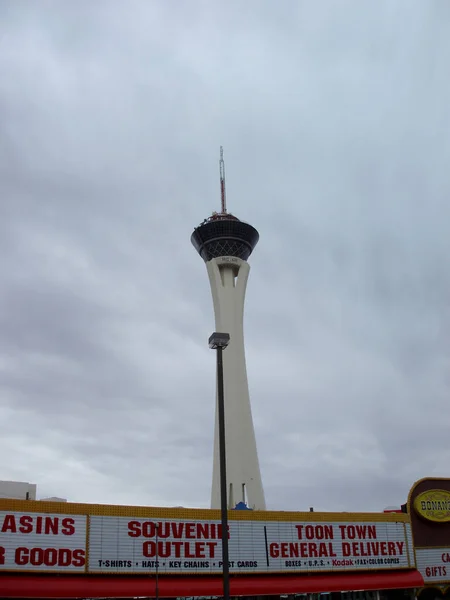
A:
(228, 277)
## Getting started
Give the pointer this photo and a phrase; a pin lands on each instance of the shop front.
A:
(429, 511)
(50, 550)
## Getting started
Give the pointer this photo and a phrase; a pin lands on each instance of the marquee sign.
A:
(42, 542)
(433, 505)
(185, 542)
(429, 509)
(434, 564)
(121, 544)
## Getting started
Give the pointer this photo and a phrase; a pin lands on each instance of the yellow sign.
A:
(433, 505)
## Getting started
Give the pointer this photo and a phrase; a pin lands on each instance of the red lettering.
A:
(78, 558)
(374, 548)
(149, 529)
(200, 550)
(134, 529)
(318, 532)
(309, 532)
(274, 550)
(203, 530)
(51, 525)
(50, 557)
(68, 526)
(299, 531)
(364, 531)
(179, 549)
(63, 558)
(437, 571)
(20, 556)
(2, 555)
(352, 532)
(26, 524)
(163, 530)
(177, 529)
(301, 549)
(445, 557)
(177, 546)
(149, 549)
(323, 532)
(9, 524)
(172, 529)
(346, 549)
(361, 531)
(164, 549)
(371, 548)
(190, 530)
(38, 525)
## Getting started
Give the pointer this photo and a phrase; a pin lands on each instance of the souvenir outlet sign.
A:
(258, 542)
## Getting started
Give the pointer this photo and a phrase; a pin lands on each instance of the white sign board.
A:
(127, 545)
(434, 564)
(42, 542)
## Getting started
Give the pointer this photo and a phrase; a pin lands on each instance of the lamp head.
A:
(219, 340)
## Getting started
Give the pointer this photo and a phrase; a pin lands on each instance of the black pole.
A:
(156, 565)
(223, 475)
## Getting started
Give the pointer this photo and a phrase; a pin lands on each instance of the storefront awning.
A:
(86, 586)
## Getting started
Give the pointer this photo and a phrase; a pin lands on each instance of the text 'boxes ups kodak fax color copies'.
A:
(81, 538)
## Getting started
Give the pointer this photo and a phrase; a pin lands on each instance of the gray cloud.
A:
(335, 127)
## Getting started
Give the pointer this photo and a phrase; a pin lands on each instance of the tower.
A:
(225, 243)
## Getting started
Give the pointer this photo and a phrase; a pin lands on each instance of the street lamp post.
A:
(218, 342)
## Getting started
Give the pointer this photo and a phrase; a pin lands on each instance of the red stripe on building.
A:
(54, 586)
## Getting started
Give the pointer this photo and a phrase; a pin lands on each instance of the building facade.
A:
(428, 507)
(69, 550)
(18, 490)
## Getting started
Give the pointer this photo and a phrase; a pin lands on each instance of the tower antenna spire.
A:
(223, 195)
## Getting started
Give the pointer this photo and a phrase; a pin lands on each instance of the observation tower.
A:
(225, 243)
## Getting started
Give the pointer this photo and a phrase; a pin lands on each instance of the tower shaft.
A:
(228, 277)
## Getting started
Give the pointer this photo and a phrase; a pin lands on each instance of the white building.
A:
(18, 490)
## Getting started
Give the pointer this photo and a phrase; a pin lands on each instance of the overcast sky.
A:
(334, 117)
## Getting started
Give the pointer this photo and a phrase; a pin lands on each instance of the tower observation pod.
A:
(225, 243)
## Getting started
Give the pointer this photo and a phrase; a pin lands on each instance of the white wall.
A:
(17, 490)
